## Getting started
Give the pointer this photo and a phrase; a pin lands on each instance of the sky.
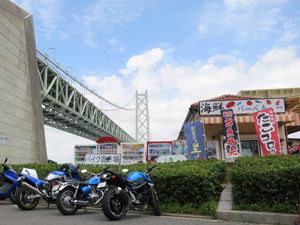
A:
(181, 52)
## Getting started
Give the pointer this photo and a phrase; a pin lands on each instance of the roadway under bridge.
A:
(65, 108)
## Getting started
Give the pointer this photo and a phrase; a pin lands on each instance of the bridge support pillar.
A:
(22, 136)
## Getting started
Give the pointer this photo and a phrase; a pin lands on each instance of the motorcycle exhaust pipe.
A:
(34, 190)
(79, 202)
(122, 194)
(85, 203)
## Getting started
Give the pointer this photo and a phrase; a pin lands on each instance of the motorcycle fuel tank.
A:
(93, 180)
(135, 176)
(55, 175)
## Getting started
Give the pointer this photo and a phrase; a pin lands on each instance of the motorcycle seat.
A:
(83, 183)
(43, 179)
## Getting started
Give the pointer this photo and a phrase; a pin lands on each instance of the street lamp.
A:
(54, 53)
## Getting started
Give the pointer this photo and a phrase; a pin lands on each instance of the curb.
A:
(258, 217)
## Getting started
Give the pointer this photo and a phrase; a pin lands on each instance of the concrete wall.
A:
(22, 137)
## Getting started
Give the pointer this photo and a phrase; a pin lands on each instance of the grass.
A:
(207, 208)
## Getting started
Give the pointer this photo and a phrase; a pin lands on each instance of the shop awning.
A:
(289, 118)
(107, 139)
(296, 122)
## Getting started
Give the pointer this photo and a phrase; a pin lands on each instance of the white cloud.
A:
(143, 63)
(88, 21)
(103, 16)
(49, 12)
(247, 20)
(246, 3)
(60, 144)
(202, 28)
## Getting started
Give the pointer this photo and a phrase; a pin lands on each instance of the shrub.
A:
(266, 182)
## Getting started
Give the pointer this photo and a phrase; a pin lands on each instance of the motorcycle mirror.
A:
(83, 171)
(5, 160)
(124, 170)
(152, 158)
(64, 169)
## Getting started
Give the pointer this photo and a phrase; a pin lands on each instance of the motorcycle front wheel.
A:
(13, 194)
(154, 203)
(112, 206)
(63, 201)
(23, 199)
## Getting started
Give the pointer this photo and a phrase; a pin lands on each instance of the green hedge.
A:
(182, 182)
(268, 183)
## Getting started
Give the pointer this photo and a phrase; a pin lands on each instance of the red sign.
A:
(266, 129)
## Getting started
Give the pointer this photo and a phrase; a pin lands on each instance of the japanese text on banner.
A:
(231, 144)
(266, 129)
(195, 140)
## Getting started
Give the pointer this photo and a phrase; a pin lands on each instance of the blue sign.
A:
(195, 140)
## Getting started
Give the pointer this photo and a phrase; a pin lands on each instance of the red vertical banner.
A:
(266, 129)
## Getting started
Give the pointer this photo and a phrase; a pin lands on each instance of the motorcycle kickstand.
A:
(84, 209)
(48, 205)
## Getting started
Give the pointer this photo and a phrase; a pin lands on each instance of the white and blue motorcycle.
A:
(34, 188)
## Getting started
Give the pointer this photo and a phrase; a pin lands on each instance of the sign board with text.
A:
(207, 108)
(102, 159)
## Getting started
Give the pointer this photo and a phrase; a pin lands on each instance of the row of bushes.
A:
(268, 183)
(182, 182)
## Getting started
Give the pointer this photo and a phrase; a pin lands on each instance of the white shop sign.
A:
(241, 106)
(102, 159)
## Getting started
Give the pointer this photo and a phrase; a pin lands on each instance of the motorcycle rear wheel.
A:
(63, 201)
(112, 206)
(154, 203)
(23, 201)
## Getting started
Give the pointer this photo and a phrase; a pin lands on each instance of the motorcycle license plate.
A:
(101, 185)
(55, 187)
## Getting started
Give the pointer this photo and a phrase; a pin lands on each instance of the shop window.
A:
(249, 148)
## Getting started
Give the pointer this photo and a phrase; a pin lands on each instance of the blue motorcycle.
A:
(128, 194)
(10, 184)
(33, 187)
(74, 195)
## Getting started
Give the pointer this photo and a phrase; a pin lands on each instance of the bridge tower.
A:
(142, 117)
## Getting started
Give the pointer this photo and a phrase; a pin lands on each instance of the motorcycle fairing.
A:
(7, 187)
(36, 181)
(11, 175)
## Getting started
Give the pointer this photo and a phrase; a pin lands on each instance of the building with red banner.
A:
(284, 102)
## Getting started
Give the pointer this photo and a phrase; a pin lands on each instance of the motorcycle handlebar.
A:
(150, 169)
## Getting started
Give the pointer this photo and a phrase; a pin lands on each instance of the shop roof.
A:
(227, 97)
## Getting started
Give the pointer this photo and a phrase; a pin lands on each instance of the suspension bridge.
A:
(66, 108)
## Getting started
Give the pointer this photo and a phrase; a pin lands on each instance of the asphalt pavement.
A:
(10, 214)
